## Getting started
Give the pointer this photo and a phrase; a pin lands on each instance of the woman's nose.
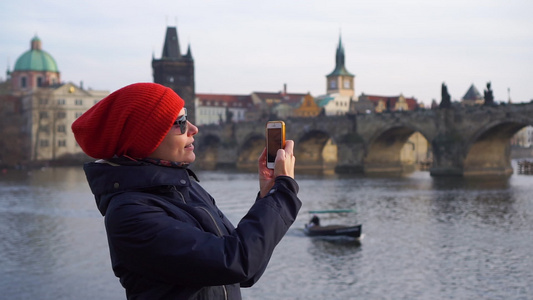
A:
(191, 129)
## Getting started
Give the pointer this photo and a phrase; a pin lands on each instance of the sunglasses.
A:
(182, 122)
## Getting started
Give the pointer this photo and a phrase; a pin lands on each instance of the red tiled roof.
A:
(412, 103)
(289, 98)
(230, 100)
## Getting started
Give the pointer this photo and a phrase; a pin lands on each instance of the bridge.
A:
(465, 141)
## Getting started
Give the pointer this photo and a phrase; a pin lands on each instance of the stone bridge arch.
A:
(249, 151)
(315, 150)
(474, 141)
(384, 149)
(208, 158)
(487, 151)
(463, 140)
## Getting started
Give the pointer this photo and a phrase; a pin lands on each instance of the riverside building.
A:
(47, 106)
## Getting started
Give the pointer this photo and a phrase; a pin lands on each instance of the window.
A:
(43, 101)
(43, 143)
(23, 82)
(61, 128)
(61, 114)
(78, 102)
(44, 128)
(62, 143)
(333, 84)
(346, 83)
(39, 81)
(60, 101)
(43, 115)
(78, 114)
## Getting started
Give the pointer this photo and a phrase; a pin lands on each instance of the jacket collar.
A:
(108, 178)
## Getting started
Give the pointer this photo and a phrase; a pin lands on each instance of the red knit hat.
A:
(131, 121)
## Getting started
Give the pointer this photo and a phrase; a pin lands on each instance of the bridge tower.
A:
(176, 71)
(340, 80)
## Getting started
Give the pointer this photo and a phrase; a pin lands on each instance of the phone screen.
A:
(274, 143)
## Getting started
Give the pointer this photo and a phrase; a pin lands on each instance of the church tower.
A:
(176, 71)
(340, 80)
(35, 68)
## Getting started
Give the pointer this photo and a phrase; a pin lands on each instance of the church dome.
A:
(36, 59)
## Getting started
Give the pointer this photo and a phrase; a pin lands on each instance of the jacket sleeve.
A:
(148, 241)
(284, 187)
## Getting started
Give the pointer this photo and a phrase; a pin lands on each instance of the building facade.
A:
(221, 108)
(47, 107)
(387, 103)
(49, 113)
(280, 105)
(523, 138)
(340, 87)
(308, 108)
(334, 104)
(176, 71)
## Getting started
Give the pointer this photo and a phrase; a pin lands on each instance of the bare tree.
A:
(46, 112)
(11, 136)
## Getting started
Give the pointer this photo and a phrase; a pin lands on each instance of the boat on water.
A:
(334, 230)
(314, 228)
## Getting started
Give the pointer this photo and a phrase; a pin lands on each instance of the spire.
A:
(171, 49)
(35, 43)
(189, 53)
(340, 69)
(472, 94)
(339, 57)
(8, 73)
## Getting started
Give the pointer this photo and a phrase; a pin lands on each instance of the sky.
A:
(407, 47)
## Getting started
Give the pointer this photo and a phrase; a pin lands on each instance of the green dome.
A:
(36, 59)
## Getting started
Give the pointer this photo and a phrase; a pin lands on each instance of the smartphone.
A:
(275, 139)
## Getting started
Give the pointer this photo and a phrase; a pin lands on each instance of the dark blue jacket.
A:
(168, 239)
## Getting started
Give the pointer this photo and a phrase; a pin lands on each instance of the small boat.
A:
(314, 228)
(334, 230)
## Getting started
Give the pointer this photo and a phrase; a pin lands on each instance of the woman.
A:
(166, 236)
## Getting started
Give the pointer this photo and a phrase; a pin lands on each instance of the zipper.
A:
(212, 219)
(225, 292)
(179, 193)
(216, 225)
(219, 234)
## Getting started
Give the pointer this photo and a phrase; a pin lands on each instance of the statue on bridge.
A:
(445, 97)
(489, 98)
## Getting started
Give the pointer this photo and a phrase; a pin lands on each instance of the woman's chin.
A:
(190, 158)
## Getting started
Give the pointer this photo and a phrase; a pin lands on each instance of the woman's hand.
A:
(283, 166)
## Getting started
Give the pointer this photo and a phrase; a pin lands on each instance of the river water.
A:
(424, 238)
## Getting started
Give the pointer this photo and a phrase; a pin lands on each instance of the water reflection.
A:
(331, 256)
(425, 238)
(52, 237)
(324, 247)
(488, 202)
(471, 183)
